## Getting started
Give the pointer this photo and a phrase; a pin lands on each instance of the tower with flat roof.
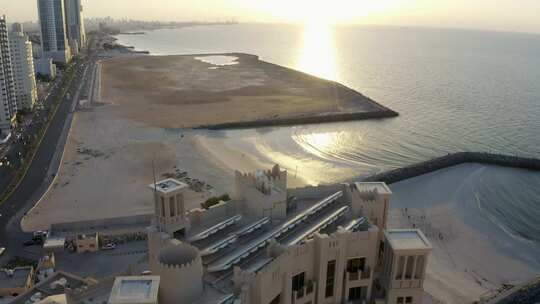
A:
(75, 23)
(169, 207)
(22, 61)
(53, 27)
(405, 260)
(8, 101)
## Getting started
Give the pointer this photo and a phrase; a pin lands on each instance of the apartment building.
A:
(8, 101)
(22, 62)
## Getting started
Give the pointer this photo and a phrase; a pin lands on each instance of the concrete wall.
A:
(315, 192)
(220, 211)
(262, 193)
(135, 223)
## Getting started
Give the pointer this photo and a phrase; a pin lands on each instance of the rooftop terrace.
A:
(167, 186)
(380, 187)
(14, 278)
(139, 289)
(407, 239)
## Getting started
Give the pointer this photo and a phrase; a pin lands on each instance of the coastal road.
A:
(41, 171)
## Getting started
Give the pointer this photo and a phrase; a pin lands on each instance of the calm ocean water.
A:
(455, 90)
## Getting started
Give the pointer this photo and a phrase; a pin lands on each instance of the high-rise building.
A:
(53, 24)
(8, 102)
(75, 23)
(22, 63)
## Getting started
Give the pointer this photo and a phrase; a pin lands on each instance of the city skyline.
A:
(478, 14)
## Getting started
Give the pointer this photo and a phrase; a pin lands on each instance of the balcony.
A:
(407, 283)
(359, 275)
(305, 294)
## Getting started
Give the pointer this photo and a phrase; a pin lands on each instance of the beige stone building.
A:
(405, 262)
(271, 245)
(87, 242)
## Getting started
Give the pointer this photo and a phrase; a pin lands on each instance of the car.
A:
(2, 250)
(29, 243)
(109, 246)
(40, 234)
(32, 242)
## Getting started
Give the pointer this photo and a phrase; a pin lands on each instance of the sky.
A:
(502, 15)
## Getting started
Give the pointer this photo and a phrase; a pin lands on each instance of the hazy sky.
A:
(506, 15)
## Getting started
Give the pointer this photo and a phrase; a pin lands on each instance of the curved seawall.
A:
(454, 159)
(312, 119)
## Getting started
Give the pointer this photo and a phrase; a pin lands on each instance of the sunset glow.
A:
(325, 12)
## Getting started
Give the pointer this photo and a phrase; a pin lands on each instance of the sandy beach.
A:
(107, 166)
(468, 261)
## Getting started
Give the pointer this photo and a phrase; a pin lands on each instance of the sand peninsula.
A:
(221, 91)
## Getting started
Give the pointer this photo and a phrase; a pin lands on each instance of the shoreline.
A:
(228, 159)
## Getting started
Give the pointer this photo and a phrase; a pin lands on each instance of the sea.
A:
(455, 90)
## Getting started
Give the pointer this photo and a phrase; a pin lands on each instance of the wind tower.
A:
(169, 208)
(169, 217)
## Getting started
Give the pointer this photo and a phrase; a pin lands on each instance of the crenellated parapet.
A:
(180, 265)
(266, 181)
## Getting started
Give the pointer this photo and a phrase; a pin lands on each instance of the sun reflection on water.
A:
(317, 56)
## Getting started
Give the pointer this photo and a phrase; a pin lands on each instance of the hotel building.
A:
(270, 245)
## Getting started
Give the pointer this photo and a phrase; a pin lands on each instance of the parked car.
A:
(32, 242)
(109, 246)
(40, 234)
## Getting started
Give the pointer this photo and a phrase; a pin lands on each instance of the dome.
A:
(178, 254)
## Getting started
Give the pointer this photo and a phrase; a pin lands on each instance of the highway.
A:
(44, 166)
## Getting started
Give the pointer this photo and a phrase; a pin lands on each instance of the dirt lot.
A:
(182, 91)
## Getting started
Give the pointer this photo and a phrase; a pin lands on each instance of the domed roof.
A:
(178, 254)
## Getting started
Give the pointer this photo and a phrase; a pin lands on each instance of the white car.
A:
(109, 246)
(2, 249)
